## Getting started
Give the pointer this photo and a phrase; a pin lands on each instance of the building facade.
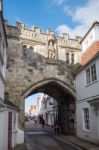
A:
(8, 111)
(50, 110)
(87, 87)
(3, 113)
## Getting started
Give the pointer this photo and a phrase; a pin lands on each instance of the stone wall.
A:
(34, 57)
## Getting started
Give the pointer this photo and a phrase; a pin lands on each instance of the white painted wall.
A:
(91, 135)
(1, 89)
(19, 136)
(84, 93)
(14, 128)
(3, 130)
(2, 66)
(98, 119)
(92, 36)
(97, 33)
(3, 113)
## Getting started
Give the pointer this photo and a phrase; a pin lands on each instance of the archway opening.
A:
(65, 109)
(38, 107)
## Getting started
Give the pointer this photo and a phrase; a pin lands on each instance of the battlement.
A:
(35, 34)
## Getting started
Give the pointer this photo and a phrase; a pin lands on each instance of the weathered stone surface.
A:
(30, 69)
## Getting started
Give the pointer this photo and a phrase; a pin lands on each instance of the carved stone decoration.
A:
(52, 54)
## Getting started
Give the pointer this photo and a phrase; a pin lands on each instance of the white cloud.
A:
(87, 14)
(78, 30)
(67, 10)
(84, 16)
(63, 29)
(59, 2)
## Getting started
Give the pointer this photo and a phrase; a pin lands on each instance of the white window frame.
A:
(91, 74)
(86, 119)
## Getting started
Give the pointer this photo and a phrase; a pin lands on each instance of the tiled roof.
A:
(90, 52)
(83, 66)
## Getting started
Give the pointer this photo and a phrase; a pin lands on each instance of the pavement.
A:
(76, 141)
(81, 143)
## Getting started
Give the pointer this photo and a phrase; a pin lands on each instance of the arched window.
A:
(67, 58)
(72, 58)
(25, 51)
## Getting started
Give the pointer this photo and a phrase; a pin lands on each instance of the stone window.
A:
(86, 119)
(25, 51)
(72, 58)
(91, 75)
(67, 58)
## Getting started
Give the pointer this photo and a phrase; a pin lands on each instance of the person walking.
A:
(57, 127)
(43, 122)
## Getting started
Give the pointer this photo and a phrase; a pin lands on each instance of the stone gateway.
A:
(38, 62)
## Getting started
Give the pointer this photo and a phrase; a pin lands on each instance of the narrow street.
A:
(38, 138)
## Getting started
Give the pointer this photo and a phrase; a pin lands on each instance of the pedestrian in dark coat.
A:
(43, 122)
(57, 127)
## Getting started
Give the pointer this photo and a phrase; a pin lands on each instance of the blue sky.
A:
(73, 16)
(31, 100)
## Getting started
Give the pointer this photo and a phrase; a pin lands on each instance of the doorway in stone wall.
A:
(9, 130)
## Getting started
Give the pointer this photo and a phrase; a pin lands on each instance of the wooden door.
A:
(10, 131)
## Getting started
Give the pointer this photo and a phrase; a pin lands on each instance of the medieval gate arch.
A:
(65, 96)
(37, 63)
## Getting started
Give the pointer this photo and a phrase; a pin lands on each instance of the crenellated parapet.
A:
(35, 34)
(66, 41)
(47, 45)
